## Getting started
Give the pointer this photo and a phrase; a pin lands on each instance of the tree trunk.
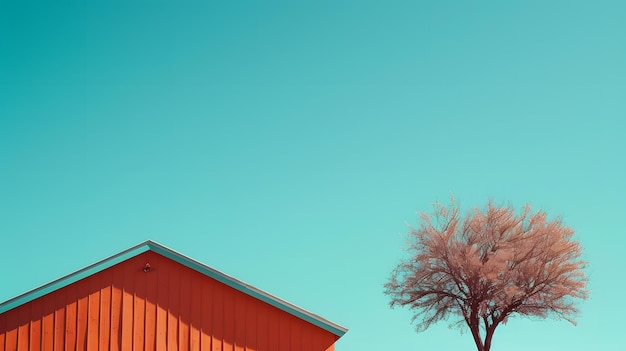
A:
(480, 344)
(476, 334)
(489, 336)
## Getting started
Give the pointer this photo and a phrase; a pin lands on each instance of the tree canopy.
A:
(487, 266)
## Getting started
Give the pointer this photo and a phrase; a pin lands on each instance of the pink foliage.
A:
(488, 266)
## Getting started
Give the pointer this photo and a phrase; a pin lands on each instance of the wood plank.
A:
(229, 319)
(3, 330)
(308, 337)
(151, 312)
(262, 326)
(295, 333)
(47, 322)
(12, 323)
(93, 314)
(162, 276)
(318, 342)
(174, 309)
(115, 334)
(195, 304)
(240, 323)
(10, 339)
(47, 326)
(128, 300)
(23, 329)
(283, 325)
(70, 317)
(185, 308)
(105, 309)
(218, 317)
(206, 301)
(251, 320)
(35, 325)
(6, 327)
(305, 338)
(139, 311)
(82, 314)
(59, 320)
(273, 334)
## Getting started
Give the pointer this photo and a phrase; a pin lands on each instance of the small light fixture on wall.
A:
(147, 267)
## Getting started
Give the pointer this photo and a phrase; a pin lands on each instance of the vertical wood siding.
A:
(172, 307)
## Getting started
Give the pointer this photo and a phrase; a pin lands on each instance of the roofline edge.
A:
(150, 245)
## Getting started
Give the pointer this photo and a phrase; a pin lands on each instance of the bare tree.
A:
(488, 266)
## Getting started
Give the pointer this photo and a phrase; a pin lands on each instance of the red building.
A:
(150, 297)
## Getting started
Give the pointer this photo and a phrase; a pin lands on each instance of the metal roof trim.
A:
(73, 277)
(150, 245)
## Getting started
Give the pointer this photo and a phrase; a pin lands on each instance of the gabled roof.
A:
(184, 260)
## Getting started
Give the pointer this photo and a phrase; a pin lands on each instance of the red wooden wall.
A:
(171, 307)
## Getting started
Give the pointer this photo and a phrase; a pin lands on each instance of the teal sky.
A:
(289, 143)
